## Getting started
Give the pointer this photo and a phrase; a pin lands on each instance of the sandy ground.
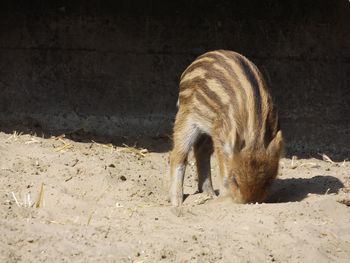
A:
(108, 203)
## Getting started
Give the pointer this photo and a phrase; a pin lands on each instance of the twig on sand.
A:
(14, 197)
(55, 222)
(312, 165)
(29, 200)
(32, 140)
(139, 152)
(68, 178)
(65, 145)
(126, 148)
(59, 137)
(89, 218)
(39, 198)
(97, 200)
(326, 158)
(107, 145)
(293, 165)
(15, 135)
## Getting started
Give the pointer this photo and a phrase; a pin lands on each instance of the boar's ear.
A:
(276, 145)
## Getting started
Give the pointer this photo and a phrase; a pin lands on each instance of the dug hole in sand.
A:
(69, 201)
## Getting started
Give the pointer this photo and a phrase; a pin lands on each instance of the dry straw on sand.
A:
(39, 198)
(326, 158)
(66, 145)
(139, 152)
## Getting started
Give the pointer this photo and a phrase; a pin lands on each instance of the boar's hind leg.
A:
(185, 134)
(203, 150)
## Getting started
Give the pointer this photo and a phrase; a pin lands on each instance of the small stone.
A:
(123, 178)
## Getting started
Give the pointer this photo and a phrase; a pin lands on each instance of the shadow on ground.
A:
(159, 143)
(296, 189)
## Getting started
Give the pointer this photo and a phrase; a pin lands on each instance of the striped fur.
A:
(225, 107)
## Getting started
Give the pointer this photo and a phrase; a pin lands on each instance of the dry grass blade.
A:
(55, 222)
(29, 200)
(139, 152)
(312, 165)
(89, 218)
(59, 137)
(65, 145)
(143, 151)
(32, 140)
(293, 164)
(326, 158)
(15, 135)
(39, 198)
(15, 198)
(68, 178)
(107, 145)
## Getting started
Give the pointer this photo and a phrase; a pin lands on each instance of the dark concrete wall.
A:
(112, 67)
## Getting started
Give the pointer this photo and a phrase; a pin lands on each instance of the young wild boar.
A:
(225, 107)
